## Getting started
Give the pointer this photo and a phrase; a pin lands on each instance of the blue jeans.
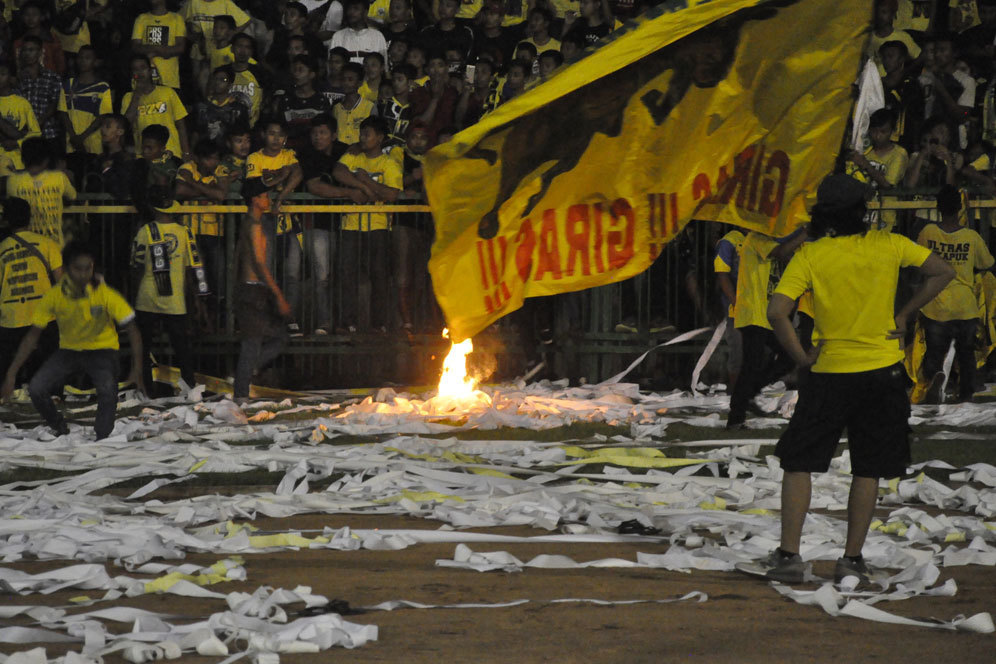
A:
(318, 244)
(102, 368)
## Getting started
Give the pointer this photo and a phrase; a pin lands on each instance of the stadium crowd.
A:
(157, 101)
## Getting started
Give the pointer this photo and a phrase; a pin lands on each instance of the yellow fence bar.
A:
(85, 208)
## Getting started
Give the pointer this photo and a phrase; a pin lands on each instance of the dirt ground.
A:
(743, 620)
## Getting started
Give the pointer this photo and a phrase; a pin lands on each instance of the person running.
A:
(857, 381)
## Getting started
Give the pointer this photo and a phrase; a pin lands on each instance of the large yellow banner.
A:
(726, 110)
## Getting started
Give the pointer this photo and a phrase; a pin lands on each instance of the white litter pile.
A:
(715, 504)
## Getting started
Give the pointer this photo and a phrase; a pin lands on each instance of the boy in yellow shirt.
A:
(353, 109)
(366, 238)
(882, 165)
(856, 380)
(17, 118)
(954, 314)
(87, 312)
(29, 265)
(162, 36)
(151, 104)
(44, 189)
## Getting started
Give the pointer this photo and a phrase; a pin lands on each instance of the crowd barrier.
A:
(589, 334)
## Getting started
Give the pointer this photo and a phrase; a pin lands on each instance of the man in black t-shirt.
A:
(298, 106)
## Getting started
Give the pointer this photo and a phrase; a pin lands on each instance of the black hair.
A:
(205, 147)
(307, 61)
(86, 47)
(935, 121)
(156, 132)
(882, 117)
(542, 12)
(942, 36)
(405, 69)
(240, 128)
(578, 40)
(264, 123)
(354, 67)
(241, 35)
(227, 20)
(76, 248)
(829, 221)
(34, 39)
(121, 121)
(325, 120)
(551, 54)
(520, 64)
(435, 54)
(35, 152)
(341, 52)
(17, 213)
(895, 43)
(140, 56)
(376, 123)
(298, 7)
(225, 69)
(948, 200)
(529, 46)
(376, 56)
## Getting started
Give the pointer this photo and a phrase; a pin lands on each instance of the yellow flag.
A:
(726, 110)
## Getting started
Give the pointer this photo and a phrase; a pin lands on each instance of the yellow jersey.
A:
(162, 107)
(384, 169)
(892, 165)
(44, 193)
(200, 14)
(256, 164)
(153, 30)
(966, 252)
(756, 279)
(349, 120)
(206, 223)
(249, 84)
(24, 278)
(16, 110)
(84, 104)
(163, 251)
(853, 279)
(87, 321)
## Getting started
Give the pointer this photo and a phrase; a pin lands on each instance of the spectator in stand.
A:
(366, 238)
(41, 87)
(726, 266)
(17, 118)
(571, 46)
(199, 15)
(219, 45)
(113, 162)
(373, 76)
(271, 174)
(161, 35)
(397, 52)
(318, 162)
(903, 95)
(475, 98)
(515, 81)
(378, 12)
(400, 24)
(326, 21)
(197, 180)
(882, 165)
(30, 264)
(594, 23)
(411, 234)
(417, 57)
(151, 104)
(397, 111)
(160, 164)
(165, 266)
(978, 44)
(43, 188)
(357, 37)
(231, 171)
(953, 314)
(335, 90)
(549, 62)
(250, 79)
(883, 31)
(761, 258)
(353, 109)
(493, 40)
(948, 90)
(86, 311)
(301, 104)
(50, 55)
(434, 104)
(222, 108)
(446, 33)
(71, 25)
(294, 23)
(82, 100)
(936, 163)
(538, 30)
(978, 167)
(526, 52)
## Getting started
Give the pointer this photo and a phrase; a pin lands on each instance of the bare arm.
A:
(346, 177)
(320, 187)
(783, 252)
(780, 308)
(937, 274)
(135, 340)
(725, 283)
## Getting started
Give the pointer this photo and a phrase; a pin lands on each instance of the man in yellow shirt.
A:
(857, 381)
(954, 314)
(29, 264)
(162, 36)
(366, 239)
(151, 104)
(42, 188)
(17, 118)
(87, 312)
(882, 165)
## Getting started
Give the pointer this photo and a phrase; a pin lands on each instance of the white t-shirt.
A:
(359, 42)
(333, 19)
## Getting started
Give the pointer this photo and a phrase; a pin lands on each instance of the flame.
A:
(455, 383)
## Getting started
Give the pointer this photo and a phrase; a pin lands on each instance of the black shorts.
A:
(874, 408)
